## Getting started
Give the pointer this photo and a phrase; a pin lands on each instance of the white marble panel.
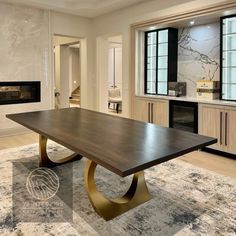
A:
(24, 54)
(198, 55)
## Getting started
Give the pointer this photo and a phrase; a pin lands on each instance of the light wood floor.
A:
(205, 160)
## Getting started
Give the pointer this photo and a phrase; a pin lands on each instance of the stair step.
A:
(76, 96)
(75, 101)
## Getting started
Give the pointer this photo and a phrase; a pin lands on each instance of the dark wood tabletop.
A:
(121, 145)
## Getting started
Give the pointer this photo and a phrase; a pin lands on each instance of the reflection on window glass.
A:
(229, 59)
(151, 63)
(229, 42)
(162, 75)
(152, 38)
(229, 75)
(162, 49)
(162, 88)
(163, 36)
(151, 87)
(229, 25)
(152, 51)
(151, 75)
(229, 91)
(162, 62)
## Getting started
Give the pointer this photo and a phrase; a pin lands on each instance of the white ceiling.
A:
(86, 8)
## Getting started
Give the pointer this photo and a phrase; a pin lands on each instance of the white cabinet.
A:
(152, 111)
(115, 68)
(219, 122)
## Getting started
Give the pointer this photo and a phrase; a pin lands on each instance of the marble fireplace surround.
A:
(25, 46)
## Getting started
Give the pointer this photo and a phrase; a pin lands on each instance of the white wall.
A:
(80, 27)
(119, 23)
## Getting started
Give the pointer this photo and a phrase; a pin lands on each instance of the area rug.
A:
(186, 200)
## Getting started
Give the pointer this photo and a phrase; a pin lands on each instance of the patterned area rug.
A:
(186, 200)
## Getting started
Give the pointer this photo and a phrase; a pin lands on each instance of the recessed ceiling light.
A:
(152, 28)
(192, 22)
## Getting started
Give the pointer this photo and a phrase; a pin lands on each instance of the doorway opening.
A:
(67, 71)
(114, 80)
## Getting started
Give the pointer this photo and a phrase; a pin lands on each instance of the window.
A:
(157, 60)
(228, 58)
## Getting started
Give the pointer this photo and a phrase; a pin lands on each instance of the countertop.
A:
(190, 99)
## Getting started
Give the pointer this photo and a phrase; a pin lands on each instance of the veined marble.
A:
(198, 55)
(24, 50)
(186, 201)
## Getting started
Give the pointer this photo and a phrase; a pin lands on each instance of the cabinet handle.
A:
(226, 128)
(152, 112)
(221, 113)
(149, 112)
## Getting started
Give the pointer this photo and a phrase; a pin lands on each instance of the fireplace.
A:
(19, 92)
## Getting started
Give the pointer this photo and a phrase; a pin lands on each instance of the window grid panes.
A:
(229, 58)
(156, 79)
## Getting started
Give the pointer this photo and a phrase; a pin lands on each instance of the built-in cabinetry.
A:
(152, 111)
(220, 122)
(161, 49)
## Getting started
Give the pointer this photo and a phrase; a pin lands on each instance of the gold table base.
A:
(137, 194)
(107, 208)
(45, 161)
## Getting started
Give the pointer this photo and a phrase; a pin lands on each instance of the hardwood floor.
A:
(18, 140)
(204, 160)
(219, 164)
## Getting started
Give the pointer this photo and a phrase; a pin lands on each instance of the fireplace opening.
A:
(19, 92)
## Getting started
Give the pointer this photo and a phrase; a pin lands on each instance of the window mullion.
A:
(157, 62)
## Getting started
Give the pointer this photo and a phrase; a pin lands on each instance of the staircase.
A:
(75, 97)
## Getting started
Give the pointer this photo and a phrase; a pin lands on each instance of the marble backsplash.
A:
(198, 55)
(24, 50)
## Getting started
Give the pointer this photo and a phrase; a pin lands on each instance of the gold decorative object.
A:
(45, 161)
(137, 194)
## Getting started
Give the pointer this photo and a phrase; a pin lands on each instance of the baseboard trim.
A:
(14, 131)
(221, 153)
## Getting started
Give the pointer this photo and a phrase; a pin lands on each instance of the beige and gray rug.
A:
(186, 201)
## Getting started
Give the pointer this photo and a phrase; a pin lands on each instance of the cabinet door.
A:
(161, 113)
(230, 130)
(140, 110)
(211, 123)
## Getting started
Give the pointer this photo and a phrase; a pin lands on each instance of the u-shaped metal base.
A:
(137, 194)
(45, 161)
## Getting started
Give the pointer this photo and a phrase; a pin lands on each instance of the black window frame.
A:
(221, 57)
(172, 46)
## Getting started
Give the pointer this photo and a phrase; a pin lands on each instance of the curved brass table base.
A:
(137, 194)
(45, 161)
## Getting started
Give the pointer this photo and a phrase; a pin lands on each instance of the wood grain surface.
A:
(121, 145)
